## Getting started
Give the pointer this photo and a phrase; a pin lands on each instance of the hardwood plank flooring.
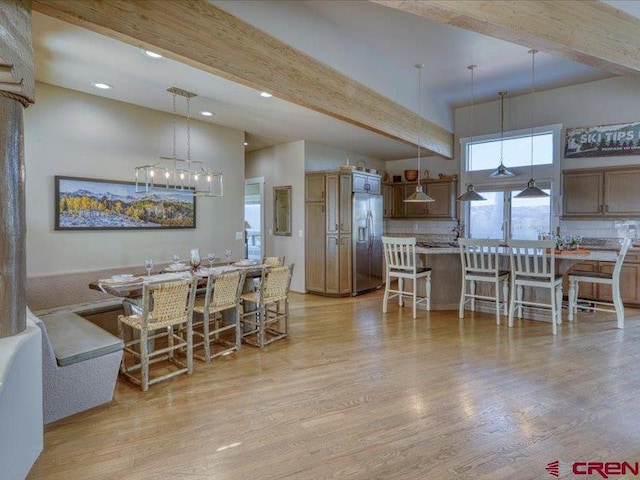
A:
(355, 394)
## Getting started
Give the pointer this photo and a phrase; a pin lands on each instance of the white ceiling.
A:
(368, 42)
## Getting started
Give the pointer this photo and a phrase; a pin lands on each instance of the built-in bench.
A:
(80, 364)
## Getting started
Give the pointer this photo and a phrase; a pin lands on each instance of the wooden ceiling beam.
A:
(203, 36)
(586, 31)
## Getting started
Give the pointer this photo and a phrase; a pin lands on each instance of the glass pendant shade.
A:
(470, 195)
(419, 196)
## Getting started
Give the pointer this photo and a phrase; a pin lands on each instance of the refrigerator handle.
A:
(370, 229)
(373, 231)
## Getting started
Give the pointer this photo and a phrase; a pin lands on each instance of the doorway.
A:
(254, 218)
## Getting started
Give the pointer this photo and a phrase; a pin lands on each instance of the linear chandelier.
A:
(171, 174)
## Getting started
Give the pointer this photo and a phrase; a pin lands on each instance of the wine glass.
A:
(211, 257)
(227, 255)
(176, 258)
(148, 264)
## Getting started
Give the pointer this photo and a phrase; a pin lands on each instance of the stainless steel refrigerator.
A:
(367, 242)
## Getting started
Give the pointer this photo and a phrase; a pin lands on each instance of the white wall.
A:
(322, 157)
(283, 165)
(75, 134)
(610, 101)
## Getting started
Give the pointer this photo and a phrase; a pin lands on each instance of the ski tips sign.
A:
(603, 140)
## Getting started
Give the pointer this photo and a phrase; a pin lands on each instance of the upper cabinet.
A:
(442, 191)
(601, 193)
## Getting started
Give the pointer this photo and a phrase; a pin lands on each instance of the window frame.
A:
(547, 176)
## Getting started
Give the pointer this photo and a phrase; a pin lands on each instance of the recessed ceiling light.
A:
(246, 143)
(151, 54)
(101, 86)
(265, 94)
(206, 114)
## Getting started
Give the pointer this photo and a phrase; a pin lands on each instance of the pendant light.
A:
(419, 196)
(502, 171)
(532, 191)
(471, 195)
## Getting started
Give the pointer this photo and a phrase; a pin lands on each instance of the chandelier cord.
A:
(174, 126)
(189, 131)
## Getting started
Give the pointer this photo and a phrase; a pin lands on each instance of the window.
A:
(516, 151)
(503, 215)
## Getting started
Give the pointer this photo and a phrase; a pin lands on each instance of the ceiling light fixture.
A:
(246, 143)
(151, 54)
(502, 171)
(173, 174)
(419, 195)
(532, 191)
(102, 86)
(265, 94)
(206, 114)
(471, 195)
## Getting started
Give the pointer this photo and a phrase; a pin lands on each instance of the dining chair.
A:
(402, 264)
(166, 306)
(218, 315)
(273, 261)
(601, 278)
(265, 312)
(533, 265)
(480, 262)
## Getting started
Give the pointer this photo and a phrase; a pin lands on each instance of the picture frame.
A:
(97, 204)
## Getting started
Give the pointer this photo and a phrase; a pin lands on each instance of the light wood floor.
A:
(355, 394)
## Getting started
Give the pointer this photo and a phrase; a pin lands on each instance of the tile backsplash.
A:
(421, 227)
(600, 228)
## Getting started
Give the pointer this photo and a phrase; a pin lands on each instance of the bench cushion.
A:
(75, 339)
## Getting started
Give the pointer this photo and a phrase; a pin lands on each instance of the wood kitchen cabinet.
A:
(629, 281)
(442, 191)
(328, 229)
(601, 193)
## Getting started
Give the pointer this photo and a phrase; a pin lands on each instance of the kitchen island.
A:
(446, 275)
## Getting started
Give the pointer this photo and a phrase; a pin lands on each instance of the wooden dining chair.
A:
(480, 261)
(611, 279)
(533, 265)
(218, 315)
(265, 312)
(166, 307)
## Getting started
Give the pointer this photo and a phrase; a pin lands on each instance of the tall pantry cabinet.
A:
(328, 232)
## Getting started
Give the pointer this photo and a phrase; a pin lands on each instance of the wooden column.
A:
(16, 92)
(12, 218)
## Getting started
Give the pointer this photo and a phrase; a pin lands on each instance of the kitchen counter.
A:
(446, 271)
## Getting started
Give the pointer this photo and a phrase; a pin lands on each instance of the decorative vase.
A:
(194, 259)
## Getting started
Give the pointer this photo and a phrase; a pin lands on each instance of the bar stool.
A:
(602, 278)
(480, 263)
(400, 257)
(533, 265)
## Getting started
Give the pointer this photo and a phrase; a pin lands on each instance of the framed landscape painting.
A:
(92, 204)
